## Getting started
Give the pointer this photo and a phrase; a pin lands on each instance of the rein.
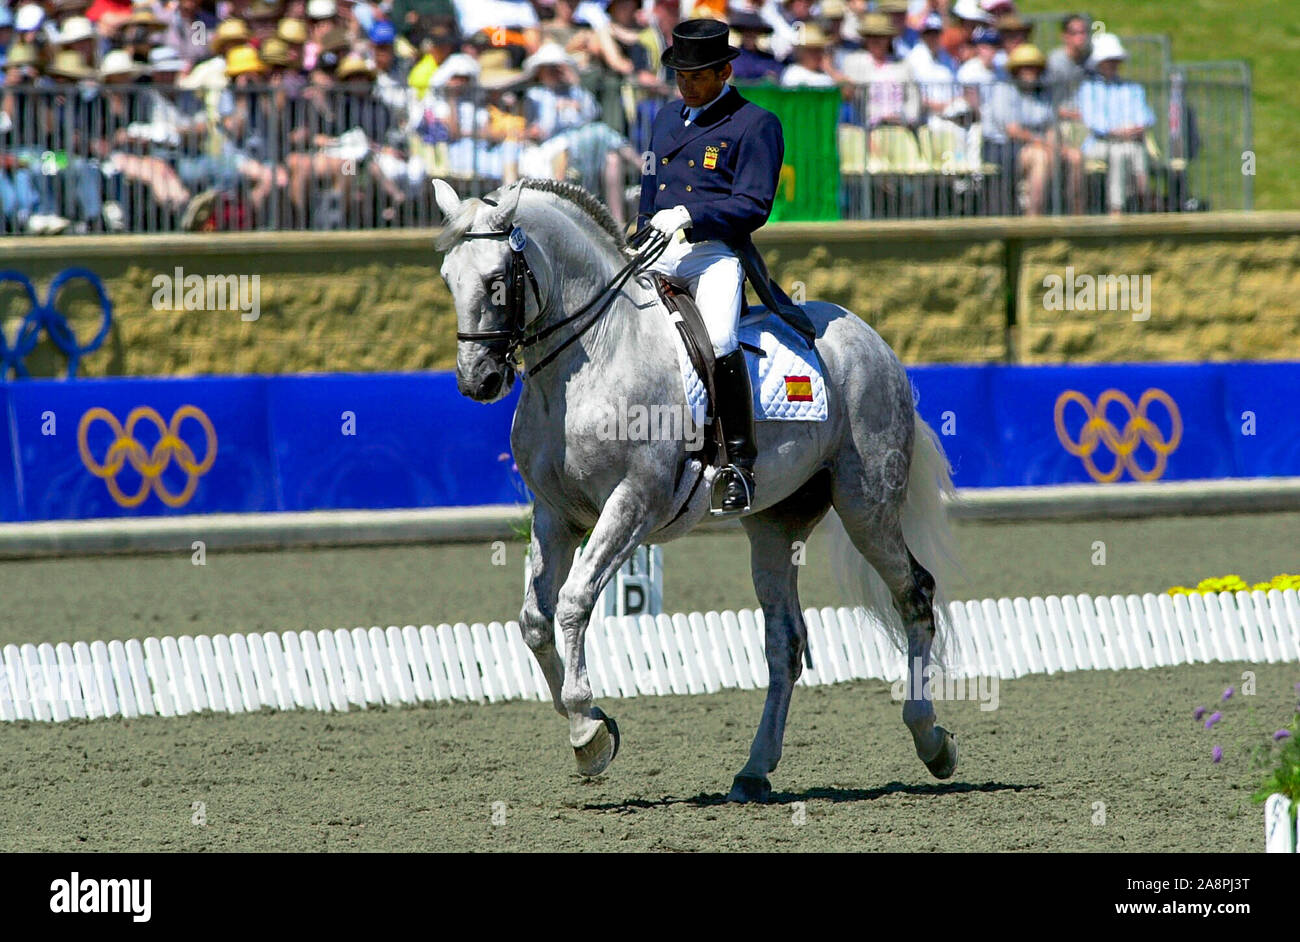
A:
(650, 244)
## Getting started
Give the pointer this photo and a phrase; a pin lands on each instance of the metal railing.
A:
(147, 159)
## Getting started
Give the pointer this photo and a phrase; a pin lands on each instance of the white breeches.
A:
(715, 277)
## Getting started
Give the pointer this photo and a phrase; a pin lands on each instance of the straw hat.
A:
(118, 62)
(262, 10)
(20, 54)
(876, 24)
(68, 63)
(275, 51)
(229, 33)
(242, 59)
(334, 40)
(810, 37)
(142, 15)
(292, 31)
(1025, 57)
(353, 65)
(1011, 23)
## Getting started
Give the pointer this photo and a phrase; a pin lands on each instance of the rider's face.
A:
(701, 86)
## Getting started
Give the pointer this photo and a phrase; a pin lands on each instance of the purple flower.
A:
(1227, 693)
(1217, 754)
(1281, 734)
(1214, 718)
(1198, 713)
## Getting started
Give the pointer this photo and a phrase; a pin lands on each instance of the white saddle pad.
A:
(788, 383)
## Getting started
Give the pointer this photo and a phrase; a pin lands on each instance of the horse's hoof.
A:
(944, 762)
(747, 788)
(595, 755)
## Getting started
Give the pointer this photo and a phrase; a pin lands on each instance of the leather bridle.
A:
(514, 338)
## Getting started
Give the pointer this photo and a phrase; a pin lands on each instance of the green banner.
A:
(810, 176)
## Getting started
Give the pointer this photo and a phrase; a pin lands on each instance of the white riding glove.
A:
(668, 221)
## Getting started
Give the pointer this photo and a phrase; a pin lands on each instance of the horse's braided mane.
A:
(579, 197)
(455, 227)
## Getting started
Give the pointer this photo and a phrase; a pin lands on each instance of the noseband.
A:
(513, 338)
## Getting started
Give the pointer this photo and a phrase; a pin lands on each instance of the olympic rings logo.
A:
(150, 465)
(45, 316)
(1123, 443)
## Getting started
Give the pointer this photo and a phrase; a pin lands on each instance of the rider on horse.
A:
(710, 178)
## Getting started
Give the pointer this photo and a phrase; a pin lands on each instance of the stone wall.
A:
(1222, 286)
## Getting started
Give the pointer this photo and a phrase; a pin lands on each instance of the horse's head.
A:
(483, 269)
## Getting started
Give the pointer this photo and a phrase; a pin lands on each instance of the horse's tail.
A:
(928, 534)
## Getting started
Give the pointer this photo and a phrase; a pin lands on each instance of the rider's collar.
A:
(686, 112)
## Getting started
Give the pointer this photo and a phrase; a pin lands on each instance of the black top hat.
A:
(699, 44)
(744, 21)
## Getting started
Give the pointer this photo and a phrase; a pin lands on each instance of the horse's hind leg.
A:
(774, 556)
(876, 530)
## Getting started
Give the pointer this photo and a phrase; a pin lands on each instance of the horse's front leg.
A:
(550, 558)
(620, 528)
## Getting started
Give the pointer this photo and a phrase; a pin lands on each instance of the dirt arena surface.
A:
(429, 778)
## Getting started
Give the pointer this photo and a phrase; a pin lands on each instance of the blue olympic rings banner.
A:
(129, 447)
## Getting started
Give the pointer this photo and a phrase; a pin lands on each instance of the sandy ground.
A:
(1031, 776)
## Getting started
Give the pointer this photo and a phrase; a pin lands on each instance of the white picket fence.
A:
(626, 656)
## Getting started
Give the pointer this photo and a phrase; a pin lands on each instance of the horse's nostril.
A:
(490, 386)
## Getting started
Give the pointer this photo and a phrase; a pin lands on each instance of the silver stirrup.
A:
(715, 504)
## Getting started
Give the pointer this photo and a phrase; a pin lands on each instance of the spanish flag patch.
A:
(710, 157)
(798, 389)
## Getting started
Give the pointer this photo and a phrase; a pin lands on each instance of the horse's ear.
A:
(446, 198)
(505, 211)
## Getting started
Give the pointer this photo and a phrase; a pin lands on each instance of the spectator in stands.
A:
(1117, 116)
(189, 26)
(562, 27)
(968, 15)
(413, 17)
(564, 122)
(23, 203)
(786, 25)
(664, 17)
(905, 37)
(832, 17)
(811, 67)
(753, 64)
(65, 125)
(619, 44)
(293, 33)
(6, 32)
(439, 41)
(978, 74)
(1020, 135)
(245, 119)
(933, 70)
(1015, 33)
(1068, 65)
(891, 96)
(78, 34)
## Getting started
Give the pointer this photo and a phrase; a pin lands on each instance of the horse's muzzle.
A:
(486, 382)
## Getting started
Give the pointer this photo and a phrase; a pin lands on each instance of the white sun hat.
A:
(970, 10)
(1106, 46)
(550, 53)
(456, 64)
(29, 17)
(74, 30)
(321, 9)
(118, 62)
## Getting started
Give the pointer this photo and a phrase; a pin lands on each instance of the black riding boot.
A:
(736, 411)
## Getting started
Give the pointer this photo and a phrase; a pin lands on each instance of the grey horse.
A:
(873, 460)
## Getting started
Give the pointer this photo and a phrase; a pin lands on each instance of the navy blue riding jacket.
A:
(723, 168)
